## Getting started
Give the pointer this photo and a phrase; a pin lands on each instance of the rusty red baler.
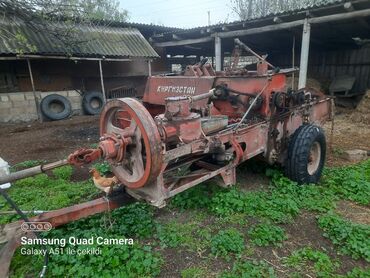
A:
(200, 124)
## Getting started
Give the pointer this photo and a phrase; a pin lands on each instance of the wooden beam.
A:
(288, 25)
(102, 81)
(277, 19)
(183, 42)
(176, 37)
(349, 8)
(269, 28)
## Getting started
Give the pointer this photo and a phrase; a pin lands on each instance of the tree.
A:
(59, 18)
(248, 9)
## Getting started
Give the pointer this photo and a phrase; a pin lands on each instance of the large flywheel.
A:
(137, 160)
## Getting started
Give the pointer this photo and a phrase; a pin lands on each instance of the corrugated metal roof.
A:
(92, 41)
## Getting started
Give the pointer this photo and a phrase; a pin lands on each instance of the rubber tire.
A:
(45, 107)
(86, 103)
(298, 153)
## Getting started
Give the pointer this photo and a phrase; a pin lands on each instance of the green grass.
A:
(227, 243)
(250, 269)
(352, 239)
(308, 260)
(47, 193)
(350, 182)
(193, 272)
(265, 234)
(217, 228)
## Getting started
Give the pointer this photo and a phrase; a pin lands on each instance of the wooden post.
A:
(102, 81)
(39, 116)
(149, 67)
(218, 53)
(305, 49)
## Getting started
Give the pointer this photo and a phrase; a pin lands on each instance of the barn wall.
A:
(324, 65)
(60, 75)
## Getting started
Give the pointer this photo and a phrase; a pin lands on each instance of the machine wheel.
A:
(56, 107)
(306, 154)
(93, 103)
(142, 162)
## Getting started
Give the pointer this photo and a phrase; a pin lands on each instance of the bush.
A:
(265, 234)
(227, 242)
(352, 239)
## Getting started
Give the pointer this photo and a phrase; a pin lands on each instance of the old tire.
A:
(93, 103)
(56, 107)
(306, 154)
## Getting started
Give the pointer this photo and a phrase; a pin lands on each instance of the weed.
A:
(265, 234)
(352, 239)
(63, 173)
(250, 269)
(103, 168)
(227, 242)
(194, 198)
(193, 272)
(174, 234)
(322, 264)
(44, 193)
(358, 273)
(232, 219)
(350, 182)
(26, 164)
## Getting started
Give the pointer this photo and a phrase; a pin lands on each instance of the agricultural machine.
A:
(202, 124)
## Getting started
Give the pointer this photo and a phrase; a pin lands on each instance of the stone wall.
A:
(21, 106)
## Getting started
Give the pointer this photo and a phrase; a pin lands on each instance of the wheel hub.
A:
(130, 142)
(314, 158)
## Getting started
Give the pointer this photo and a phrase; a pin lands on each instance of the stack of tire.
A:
(56, 107)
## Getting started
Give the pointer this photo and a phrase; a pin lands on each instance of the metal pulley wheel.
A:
(142, 161)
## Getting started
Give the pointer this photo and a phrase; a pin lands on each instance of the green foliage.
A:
(250, 269)
(114, 261)
(227, 242)
(352, 239)
(174, 234)
(194, 198)
(44, 193)
(350, 182)
(358, 273)
(265, 234)
(193, 272)
(135, 220)
(103, 168)
(322, 264)
(26, 164)
(63, 173)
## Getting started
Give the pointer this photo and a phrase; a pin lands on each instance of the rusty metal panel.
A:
(159, 88)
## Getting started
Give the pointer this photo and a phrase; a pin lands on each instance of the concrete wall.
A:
(21, 107)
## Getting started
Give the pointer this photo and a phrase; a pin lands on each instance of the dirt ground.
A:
(47, 141)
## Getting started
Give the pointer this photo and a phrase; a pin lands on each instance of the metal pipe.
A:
(250, 107)
(247, 48)
(203, 96)
(32, 171)
(304, 54)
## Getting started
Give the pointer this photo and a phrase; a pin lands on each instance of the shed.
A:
(328, 40)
